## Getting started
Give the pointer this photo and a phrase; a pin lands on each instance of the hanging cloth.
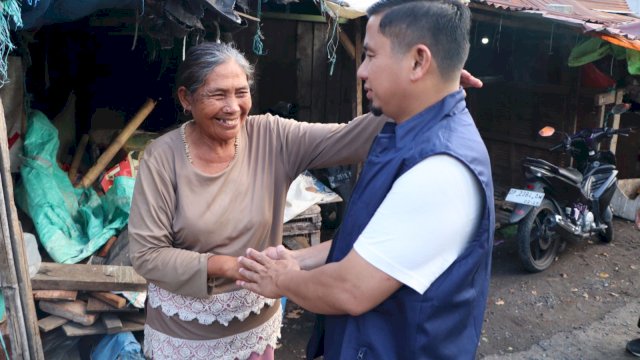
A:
(9, 13)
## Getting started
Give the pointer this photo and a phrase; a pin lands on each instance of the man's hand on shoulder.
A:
(469, 81)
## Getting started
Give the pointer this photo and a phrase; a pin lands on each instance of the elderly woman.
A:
(209, 190)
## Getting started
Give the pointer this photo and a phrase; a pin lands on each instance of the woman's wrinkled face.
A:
(221, 105)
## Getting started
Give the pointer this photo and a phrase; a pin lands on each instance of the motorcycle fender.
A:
(519, 212)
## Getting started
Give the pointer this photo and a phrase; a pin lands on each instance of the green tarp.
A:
(594, 49)
(71, 223)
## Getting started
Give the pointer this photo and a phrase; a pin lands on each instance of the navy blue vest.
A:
(445, 322)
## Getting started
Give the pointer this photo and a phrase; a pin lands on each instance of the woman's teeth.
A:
(228, 122)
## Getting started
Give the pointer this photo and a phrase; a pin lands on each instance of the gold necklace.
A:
(186, 145)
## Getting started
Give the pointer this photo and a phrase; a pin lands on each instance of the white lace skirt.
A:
(220, 308)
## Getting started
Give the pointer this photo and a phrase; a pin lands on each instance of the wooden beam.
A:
(98, 306)
(14, 271)
(51, 322)
(298, 17)
(605, 98)
(112, 299)
(358, 59)
(71, 329)
(52, 276)
(71, 310)
(112, 322)
(347, 44)
(55, 295)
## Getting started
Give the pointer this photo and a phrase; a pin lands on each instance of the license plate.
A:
(525, 197)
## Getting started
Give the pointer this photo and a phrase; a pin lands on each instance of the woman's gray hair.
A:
(203, 58)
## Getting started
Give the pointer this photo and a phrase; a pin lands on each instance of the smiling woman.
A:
(208, 191)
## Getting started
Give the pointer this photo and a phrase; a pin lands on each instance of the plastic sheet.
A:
(71, 223)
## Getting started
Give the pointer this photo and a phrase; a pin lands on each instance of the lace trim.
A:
(159, 346)
(221, 308)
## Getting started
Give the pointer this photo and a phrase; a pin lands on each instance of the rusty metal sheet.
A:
(605, 16)
(601, 12)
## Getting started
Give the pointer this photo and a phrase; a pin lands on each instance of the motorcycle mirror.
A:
(547, 131)
(620, 108)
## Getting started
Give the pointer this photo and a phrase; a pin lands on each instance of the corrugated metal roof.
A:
(606, 16)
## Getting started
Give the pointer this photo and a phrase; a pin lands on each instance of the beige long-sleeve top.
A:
(179, 215)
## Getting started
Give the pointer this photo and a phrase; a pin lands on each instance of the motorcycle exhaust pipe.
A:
(569, 227)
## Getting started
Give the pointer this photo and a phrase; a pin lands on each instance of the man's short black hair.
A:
(442, 25)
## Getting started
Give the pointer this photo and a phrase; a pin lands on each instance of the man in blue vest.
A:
(407, 275)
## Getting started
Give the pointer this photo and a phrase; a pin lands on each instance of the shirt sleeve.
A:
(151, 236)
(317, 145)
(424, 223)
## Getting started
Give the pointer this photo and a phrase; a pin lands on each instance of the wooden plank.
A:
(71, 329)
(55, 295)
(72, 310)
(112, 299)
(112, 323)
(53, 276)
(300, 228)
(97, 306)
(51, 322)
(138, 317)
(605, 98)
(14, 281)
(298, 17)
(304, 59)
(613, 144)
(347, 44)
(319, 74)
(104, 251)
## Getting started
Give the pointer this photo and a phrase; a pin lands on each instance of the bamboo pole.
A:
(104, 159)
(77, 157)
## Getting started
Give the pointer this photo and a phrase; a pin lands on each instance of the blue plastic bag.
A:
(120, 346)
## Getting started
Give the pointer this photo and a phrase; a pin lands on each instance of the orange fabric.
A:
(621, 41)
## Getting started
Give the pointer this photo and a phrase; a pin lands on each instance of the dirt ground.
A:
(585, 306)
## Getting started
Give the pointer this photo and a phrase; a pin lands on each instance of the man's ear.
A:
(185, 97)
(422, 61)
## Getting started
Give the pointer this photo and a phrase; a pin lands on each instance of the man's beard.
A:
(375, 110)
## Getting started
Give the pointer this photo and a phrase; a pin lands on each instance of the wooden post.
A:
(358, 59)
(602, 100)
(21, 313)
(347, 44)
(616, 123)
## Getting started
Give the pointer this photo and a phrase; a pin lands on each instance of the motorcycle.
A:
(566, 202)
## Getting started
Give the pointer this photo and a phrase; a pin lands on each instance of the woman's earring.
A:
(186, 111)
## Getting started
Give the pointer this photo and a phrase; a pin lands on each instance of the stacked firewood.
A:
(86, 299)
(87, 313)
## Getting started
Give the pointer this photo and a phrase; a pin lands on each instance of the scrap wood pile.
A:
(87, 313)
(87, 299)
(80, 213)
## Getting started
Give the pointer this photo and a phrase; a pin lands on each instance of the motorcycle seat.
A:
(572, 174)
(568, 173)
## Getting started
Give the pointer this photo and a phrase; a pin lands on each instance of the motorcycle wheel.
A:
(537, 242)
(607, 236)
